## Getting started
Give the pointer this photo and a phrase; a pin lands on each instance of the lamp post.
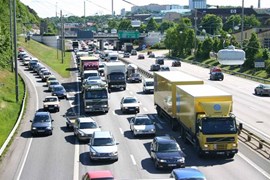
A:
(15, 50)
(242, 24)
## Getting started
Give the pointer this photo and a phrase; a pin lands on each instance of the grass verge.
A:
(9, 108)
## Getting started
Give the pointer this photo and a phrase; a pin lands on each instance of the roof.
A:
(186, 173)
(102, 134)
(177, 76)
(86, 119)
(100, 174)
(42, 113)
(164, 139)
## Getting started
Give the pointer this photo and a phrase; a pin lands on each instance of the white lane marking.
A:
(114, 113)
(254, 165)
(133, 159)
(31, 139)
(159, 126)
(121, 131)
(145, 109)
(130, 92)
(76, 161)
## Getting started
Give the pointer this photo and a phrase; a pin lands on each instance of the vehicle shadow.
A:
(71, 69)
(85, 160)
(26, 134)
(70, 139)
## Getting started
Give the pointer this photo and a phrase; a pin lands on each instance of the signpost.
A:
(128, 35)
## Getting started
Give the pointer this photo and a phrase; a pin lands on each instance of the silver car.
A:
(84, 127)
(142, 125)
(103, 146)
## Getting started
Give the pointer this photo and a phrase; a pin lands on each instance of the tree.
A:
(251, 50)
(212, 24)
(124, 24)
(205, 48)
(113, 24)
(151, 25)
(231, 23)
(165, 25)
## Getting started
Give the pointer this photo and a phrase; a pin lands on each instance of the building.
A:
(123, 12)
(154, 8)
(197, 4)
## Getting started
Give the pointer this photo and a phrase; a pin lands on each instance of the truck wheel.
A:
(199, 150)
(174, 125)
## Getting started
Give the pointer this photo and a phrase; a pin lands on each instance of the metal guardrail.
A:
(252, 140)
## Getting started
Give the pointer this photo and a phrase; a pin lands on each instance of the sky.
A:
(49, 8)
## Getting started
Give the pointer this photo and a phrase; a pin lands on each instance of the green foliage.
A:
(151, 25)
(165, 25)
(251, 50)
(125, 24)
(160, 45)
(205, 49)
(212, 24)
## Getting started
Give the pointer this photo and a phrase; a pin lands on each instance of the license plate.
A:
(220, 152)
(41, 130)
(171, 165)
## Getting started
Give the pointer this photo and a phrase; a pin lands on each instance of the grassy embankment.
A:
(8, 107)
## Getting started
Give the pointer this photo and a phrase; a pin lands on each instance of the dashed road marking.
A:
(159, 126)
(145, 109)
(121, 131)
(133, 159)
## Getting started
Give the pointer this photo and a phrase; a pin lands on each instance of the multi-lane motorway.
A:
(60, 156)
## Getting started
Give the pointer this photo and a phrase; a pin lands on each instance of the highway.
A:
(61, 156)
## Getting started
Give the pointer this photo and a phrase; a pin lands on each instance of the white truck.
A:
(114, 73)
(112, 56)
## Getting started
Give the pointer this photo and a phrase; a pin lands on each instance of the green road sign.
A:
(128, 34)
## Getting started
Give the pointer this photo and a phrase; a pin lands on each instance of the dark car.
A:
(42, 123)
(176, 63)
(126, 55)
(155, 67)
(160, 60)
(216, 76)
(135, 77)
(140, 56)
(59, 91)
(164, 68)
(151, 55)
(166, 153)
(262, 89)
(187, 173)
(133, 52)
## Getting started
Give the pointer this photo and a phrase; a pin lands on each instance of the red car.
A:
(98, 175)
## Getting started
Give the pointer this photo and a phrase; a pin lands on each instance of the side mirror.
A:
(117, 143)
(31, 120)
(52, 120)
(240, 128)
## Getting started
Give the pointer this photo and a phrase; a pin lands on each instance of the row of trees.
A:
(25, 18)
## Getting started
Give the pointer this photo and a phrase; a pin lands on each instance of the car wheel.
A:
(156, 165)
(256, 93)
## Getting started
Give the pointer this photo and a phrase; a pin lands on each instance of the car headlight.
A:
(48, 128)
(93, 153)
(205, 146)
(104, 106)
(182, 160)
(34, 128)
(153, 130)
(161, 160)
(114, 153)
(45, 105)
(81, 133)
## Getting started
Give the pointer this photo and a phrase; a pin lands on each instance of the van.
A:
(89, 74)
(148, 85)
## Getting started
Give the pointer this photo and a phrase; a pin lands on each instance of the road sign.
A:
(128, 34)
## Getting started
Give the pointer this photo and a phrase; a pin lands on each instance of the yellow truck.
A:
(204, 116)
(165, 91)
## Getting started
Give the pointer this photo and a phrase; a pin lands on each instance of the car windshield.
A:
(52, 78)
(96, 94)
(143, 121)
(41, 118)
(149, 83)
(52, 99)
(168, 147)
(103, 142)
(266, 86)
(130, 100)
(115, 76)
(135, 75)
(54, 83)
(58, 88)
(88, 125)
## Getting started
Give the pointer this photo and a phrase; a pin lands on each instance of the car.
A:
(262, 89)
(101, 68)
(140, 56)
(164, 68)
(176, 63)
(84, 127)
(216, 76)
(149, 52)
(142, 125)
(98, 175)
(41, 71)
(59, 91)
(41, 123)
(52, 84)
(159, 60)
(51, 103)
(103, 146)
(135, 77)
(187, 173)
(166, 153)
(32, 63)
(133, 52)
(45, 75)
(151, 55)
(155, 67)
(126, 55)
(148, 85)
(50, 78)
(130, 104)
(26, 60)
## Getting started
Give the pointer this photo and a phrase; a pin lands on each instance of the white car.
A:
(142, 125)
(130, 104)
(84, 127)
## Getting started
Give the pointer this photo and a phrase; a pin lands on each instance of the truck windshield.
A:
(219, 126)
(117, 76)
(96, 94)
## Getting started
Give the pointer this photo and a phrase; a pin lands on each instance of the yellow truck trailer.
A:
(165, 91)
(204, 115)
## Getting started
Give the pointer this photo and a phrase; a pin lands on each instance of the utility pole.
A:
(195, 28)
(112, 9)
(62, 37)
(84, 14)
(15, 50)
(10, 28)
(242, 25)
